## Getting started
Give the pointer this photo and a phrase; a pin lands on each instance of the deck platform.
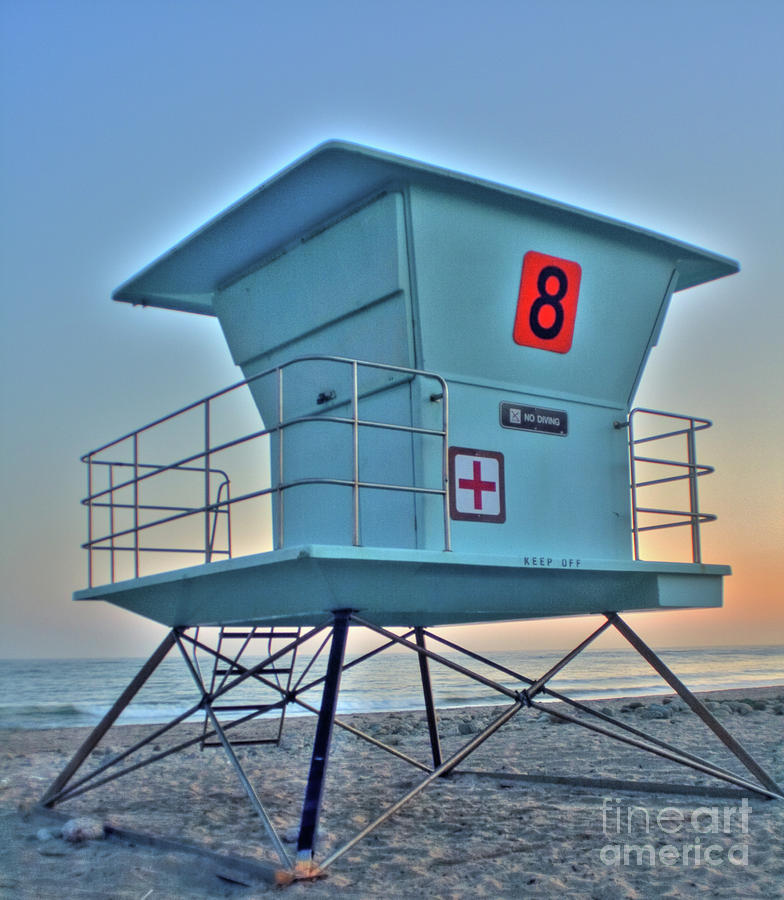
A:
(303, 585)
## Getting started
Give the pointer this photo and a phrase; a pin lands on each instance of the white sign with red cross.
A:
(476, 485)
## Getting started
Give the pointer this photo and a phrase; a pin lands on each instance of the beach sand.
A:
(468, 835)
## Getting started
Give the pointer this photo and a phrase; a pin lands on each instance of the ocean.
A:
(51, 693)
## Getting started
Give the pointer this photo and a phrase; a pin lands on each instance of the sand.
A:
(469, 835)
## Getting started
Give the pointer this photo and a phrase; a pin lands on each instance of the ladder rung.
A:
(243, 743)
(234, 670)
(237, 635)
(238, 707)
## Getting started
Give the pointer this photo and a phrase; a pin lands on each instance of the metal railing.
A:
(105, 499)
(126, 515)
(686, 469)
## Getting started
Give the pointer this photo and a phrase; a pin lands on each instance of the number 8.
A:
(547, 299)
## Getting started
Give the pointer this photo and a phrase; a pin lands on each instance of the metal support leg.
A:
(49, 798)
(430, 707)
(318, 764)
(694, 704)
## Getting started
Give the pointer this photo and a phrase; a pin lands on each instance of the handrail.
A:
(112, 505)
(131, 516)
(224, 484)
(247, 381)
(694, 470)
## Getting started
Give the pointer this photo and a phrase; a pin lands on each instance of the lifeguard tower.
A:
(434, 427)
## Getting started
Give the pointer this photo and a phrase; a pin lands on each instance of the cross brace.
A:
(335, 630)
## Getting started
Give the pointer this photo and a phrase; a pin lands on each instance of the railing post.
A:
(111, 520)
(279, 371)
(694, 502)
(633, 484)
(445, 466)
(355, 436)
(207, 542)
(90, 520)
(228, 518)
(136, 504)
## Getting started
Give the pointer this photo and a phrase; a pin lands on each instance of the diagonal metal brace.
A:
(244, 780)
(443, 769)
(56, 789)
(694, 704)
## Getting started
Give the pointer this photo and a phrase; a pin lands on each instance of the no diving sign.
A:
(476, 485)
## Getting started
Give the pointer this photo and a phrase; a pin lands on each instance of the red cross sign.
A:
(476, 485)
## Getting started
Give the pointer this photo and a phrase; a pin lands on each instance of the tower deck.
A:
(302, 585)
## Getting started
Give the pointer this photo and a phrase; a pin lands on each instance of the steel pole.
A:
(109, 719)
(427, 689)
(314, 790)
(694, 704)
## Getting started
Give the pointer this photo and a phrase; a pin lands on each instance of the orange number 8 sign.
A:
(547, 302)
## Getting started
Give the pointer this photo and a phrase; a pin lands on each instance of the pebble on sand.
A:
(81, 829)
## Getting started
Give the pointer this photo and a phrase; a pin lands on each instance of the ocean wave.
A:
(54, 715)
(86, 689)
(39, 709)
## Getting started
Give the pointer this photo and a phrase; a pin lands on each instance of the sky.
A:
(126, 125)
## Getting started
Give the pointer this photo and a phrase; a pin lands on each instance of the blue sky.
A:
(125, 125)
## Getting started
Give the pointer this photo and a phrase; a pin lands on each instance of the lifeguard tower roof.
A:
(444, 369)
(333, 177)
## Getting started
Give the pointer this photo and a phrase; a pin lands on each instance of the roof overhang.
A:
(323, 184)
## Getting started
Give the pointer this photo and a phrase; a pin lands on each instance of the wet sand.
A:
(468, 835)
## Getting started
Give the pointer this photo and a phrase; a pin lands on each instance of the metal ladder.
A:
(250, 639)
